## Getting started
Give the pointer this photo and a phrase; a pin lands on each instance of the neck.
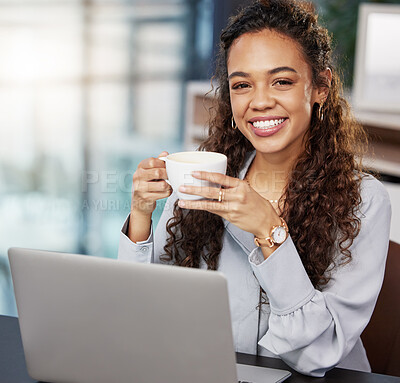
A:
(268, 174)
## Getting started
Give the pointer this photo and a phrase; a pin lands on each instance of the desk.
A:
(13, 369)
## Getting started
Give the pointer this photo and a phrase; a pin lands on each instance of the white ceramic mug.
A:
(181, 165)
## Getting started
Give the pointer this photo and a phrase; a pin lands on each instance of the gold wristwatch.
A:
(277, 236)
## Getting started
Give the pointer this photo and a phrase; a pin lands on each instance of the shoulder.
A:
(371, 188)
(373, 194)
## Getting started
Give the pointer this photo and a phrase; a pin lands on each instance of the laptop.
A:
(86, 319)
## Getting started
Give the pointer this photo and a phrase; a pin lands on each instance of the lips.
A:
(267, 126)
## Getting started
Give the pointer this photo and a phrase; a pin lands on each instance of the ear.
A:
(323, 91)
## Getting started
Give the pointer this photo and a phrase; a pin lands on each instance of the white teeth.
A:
(267, 124)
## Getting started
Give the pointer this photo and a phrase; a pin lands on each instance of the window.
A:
(87, 90)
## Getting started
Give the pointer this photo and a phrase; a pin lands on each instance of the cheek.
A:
(308, 100)
(302, 104)
(237, 106)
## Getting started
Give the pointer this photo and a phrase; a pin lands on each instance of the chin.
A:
(267, 147)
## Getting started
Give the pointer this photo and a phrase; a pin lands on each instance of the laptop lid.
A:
(87, 319)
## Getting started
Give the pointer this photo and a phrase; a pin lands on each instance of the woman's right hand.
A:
(149, 185)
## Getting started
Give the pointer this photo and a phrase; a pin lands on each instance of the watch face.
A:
(279, 235)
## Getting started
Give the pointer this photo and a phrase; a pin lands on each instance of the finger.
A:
(217, 178)
(150, 163)
(211, 206)
(163, 154)
(157, 186)
(158, 195)
(204, 191)
(154, 174)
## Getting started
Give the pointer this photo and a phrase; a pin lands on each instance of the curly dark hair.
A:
(322, 196)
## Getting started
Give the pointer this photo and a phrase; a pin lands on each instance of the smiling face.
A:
(271, 92)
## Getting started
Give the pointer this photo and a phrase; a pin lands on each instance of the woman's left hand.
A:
(240, 205)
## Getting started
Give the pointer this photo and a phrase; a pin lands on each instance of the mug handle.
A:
(165, 160)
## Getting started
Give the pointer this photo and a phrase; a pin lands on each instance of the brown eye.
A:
(283, 82)
(240, 86)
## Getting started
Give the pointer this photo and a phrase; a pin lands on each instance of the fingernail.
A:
(181, 203)
(196, 174)
(182, 188)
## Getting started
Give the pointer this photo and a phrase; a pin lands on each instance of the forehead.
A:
(265, 50)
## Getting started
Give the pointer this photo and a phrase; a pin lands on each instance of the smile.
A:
(265, 127)
(267, 123)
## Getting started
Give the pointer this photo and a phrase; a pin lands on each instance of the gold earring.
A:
(234, 126)
(321, 112)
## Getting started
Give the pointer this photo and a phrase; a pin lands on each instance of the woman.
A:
(299, 231)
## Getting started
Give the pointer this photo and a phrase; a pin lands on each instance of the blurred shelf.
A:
(384, 149)
(384, 159)
(378, 119)
(199, 102)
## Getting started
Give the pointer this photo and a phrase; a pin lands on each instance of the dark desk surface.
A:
(13, 369)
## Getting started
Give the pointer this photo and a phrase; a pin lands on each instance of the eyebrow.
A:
(270, 72)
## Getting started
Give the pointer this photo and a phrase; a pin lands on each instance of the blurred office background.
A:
(89, 88)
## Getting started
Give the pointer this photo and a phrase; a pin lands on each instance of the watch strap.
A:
(269, 241)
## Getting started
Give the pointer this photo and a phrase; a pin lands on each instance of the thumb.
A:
(163, 154)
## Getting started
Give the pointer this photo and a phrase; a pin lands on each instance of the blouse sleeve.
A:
(142, 252)
(148, 251)
(312, 330)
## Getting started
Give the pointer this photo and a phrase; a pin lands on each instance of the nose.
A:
(262, 99)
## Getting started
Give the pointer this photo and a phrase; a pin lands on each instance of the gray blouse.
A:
(311, 330)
